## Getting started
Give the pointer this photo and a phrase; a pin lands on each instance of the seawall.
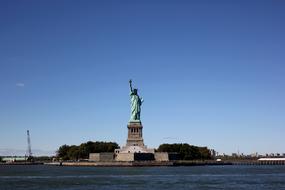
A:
(166, 163)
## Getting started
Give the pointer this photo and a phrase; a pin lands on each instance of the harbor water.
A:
(16, 177)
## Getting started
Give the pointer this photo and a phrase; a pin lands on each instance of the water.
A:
(110, 178)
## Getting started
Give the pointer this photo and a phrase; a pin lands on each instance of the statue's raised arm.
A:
(131, 88)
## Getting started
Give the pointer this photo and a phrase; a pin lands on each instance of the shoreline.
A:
(151, 163)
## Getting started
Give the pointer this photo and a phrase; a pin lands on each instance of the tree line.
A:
(186, 151)
(82, 151)
(73, 152)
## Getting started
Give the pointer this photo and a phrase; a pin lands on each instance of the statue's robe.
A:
(135, 106)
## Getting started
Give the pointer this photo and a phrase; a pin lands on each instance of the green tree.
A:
(186, 151)
(62, 152)
(73, 152)
(66, 152)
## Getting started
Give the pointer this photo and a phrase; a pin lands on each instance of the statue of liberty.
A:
(136, 103)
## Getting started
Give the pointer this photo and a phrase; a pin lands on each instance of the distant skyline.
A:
(211, 73)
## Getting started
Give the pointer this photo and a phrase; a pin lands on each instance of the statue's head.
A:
(135, 91)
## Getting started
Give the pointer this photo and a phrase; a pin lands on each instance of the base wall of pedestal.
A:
(128, 157)
(125, 157)
(161, 156)
(102, 157)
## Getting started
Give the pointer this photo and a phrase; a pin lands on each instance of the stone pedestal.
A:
(135, 148)
(135, 135)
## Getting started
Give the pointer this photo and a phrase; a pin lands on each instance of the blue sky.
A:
(211, 73)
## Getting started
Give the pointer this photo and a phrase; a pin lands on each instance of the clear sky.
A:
(212, 73)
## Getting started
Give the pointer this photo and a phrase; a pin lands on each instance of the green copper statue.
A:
(136, 103)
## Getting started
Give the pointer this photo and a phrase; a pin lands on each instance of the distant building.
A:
(254, 155)
(213, 153)
(14, 159)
